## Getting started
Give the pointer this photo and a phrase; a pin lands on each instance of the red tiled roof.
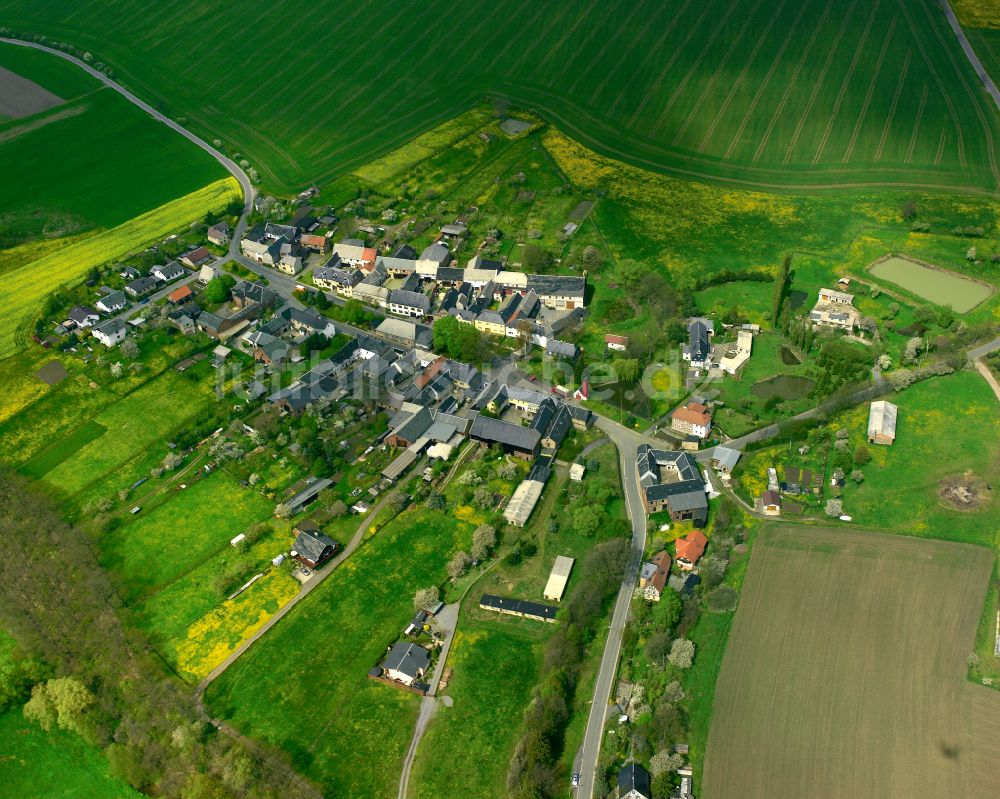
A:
(692, 546)
(610, 338)
(692, 416)
(180, 294)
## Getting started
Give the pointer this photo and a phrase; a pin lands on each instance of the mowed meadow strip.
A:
(26, 288)
(845, 672)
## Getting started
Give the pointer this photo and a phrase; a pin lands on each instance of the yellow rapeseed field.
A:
(216, 635)
(25, 288)
(977, 13)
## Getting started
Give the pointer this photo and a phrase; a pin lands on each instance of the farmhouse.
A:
(518, 607)
(698, 350)
(334, 277)
(165, 273)
(882, 422)
(734, 359)
(770, 503)
(406, 663)
(353, 252)
(140, 287)
(834, 309)
(111, 332)
(724, 459)
(690, 549)
(524, 442)
(113, 302)
(558, 578)
(218, 234)
(693, 419)
(312, 547)
(671, 480)
(633, 782)
(196, 257)
(180, 294)
(84, 317)
(653, 576)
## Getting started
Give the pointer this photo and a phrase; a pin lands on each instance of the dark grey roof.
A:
(686, 492)
(141, 285)
(544, 415)
(308, 493)
(405, 251)
(409, 659)
(450, 273)
(560, 425)
(313, 545)
(563, 348)
(80, 313)
(518, 606)
(436, 252)
(254, 291)
(513, 435)
(557, 285)
(410, 299)
(116, 299)
(415, 426)
(699, 346)
(274, 231)
(633, 777)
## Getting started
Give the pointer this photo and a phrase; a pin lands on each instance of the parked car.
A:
(576, 779)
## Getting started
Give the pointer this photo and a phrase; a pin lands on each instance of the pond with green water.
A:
(935, 285)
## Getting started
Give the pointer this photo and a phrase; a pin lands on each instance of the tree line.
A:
(97, 677)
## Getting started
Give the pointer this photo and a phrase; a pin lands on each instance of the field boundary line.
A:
(294, 63)
(610, 40)
(725, 61)
(850, 75)
(346, 101)
(868, 95)
(624, 55)
(656, 46)
(666, 69)
(937, 79)
(916, 124)
(940, 149)
(551, 51)
(821, 79)
(742, 76)
(779, 110)
(972, 95)
(895, 104)
(682, 86)
(762, 86)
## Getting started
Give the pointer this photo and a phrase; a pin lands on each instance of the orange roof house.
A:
(690, 548)
(180, 294)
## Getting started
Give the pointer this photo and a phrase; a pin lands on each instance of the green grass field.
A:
(773, 94)
(45, 461)
(133, 423)
(55, 765)
(303, 686)
(165, 543)
(856, 640)
(97, 160)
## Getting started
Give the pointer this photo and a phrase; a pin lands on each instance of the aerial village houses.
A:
(653, 576)
(692, 419)
(698, 350)
(770, 503)
(218, 234)
(688, 550)
(835, 309)
(110, 332)
(312, 546)
(882, 422)
(112, 302)
(734, 359)
(671, 480)
(406, 663)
